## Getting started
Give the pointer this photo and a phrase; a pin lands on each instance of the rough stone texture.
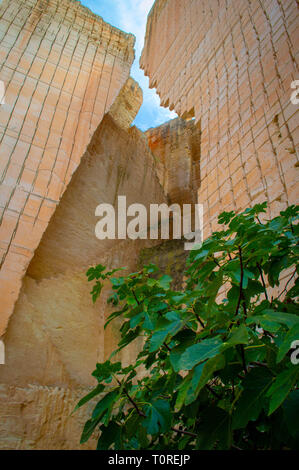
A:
(230, 63)
(37, 417)
(125, 108)
(56, 330)
(62, 67)
(170, 257)
(176, 146)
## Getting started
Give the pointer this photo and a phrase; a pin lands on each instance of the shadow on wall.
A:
(56, 335)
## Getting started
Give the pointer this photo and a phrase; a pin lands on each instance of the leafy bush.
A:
(212, 374)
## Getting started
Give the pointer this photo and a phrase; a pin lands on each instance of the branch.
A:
(140, 413)
(263, 280)
(236, 448)
(199, 320)
(243, 358)
(131, 400)
(259, 364)
(134, 404)
(284, 290)
(180, 431)
(241, 284)
(135, 297)
(213, 392)
(259, 220)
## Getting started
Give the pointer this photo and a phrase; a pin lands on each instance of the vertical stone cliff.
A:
(62, 67)
(230, 64)
(67, 145)
(56, 334)
(176, 146)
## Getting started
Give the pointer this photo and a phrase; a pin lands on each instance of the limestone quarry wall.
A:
(62, 67)
(176, 146)
(56, 334)
(230, 64)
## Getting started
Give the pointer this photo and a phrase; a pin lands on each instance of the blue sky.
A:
(131, 16)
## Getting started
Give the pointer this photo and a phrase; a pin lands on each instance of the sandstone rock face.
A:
(170, 257)
(56, 334)
(39, 417)
(62, 67)
(176, 146)
(125, 108)
(230, 63)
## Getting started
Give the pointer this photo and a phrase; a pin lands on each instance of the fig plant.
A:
(217, 369)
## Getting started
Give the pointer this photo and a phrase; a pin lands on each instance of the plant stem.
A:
(140, 413)
(180, 431)
(135, 297)
(199, 320)
(243, 358)
(213, 392)
(131, 399)
(284, 290)
(241, 281)
(260, 364)
(263, 280)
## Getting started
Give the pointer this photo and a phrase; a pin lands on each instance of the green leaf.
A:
(281, 387)
(164, 282)
(271, 320)
(204, 372)
(158, 417)
(128, 338)
(96, 291)
(199, 352)
(201, 255)
(169, 384)
(105, 404)
(89, 428)
(136, 320)
(183, 391)
(186, 338)
(96, 391)
(253, 397)
(159, 337)
(214, 429)
(225, 217)
(281, 317)
(291, 412)
(105, 370)
(239, 336)
(115, 315)
(110, 435)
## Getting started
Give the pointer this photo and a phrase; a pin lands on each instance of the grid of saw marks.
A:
(233, 62)
(58, 86)
(250, 127)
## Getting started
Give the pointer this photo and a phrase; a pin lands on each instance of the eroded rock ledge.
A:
(63, 68)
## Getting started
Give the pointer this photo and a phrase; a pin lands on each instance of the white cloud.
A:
(131, 16)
